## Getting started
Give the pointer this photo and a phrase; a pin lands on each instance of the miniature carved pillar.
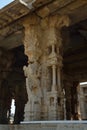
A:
(54, 78)
(55, 97)
(59, 75)
(42, 35)
(54, 70)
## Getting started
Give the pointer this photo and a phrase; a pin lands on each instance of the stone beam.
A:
(52, 7)
(18, 9)
(76, 10)
(12, 12)
(69, 7)
(32, 4)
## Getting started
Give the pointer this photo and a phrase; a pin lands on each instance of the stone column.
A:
(53, 25)
(42, 36)
(32, 71)
(54, 78)
(53, 54)
(82, 103)
(59, 77)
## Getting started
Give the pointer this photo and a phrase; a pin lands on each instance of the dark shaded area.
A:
(13, 86)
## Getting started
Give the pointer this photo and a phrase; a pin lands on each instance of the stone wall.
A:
(47, 126)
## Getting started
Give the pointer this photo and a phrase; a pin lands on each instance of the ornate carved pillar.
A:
(42, 46)
(32, 71)
(54, 61)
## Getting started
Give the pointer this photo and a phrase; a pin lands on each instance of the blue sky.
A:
(4, 3)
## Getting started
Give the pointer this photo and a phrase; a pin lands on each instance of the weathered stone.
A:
(51, 81)
(46, 126)
(42, 59)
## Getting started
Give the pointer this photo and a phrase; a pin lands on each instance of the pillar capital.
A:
(32, 37)
(55, 21)
(39, 31)
(31, 20)
(52, 25)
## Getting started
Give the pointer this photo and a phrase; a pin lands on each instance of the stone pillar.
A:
(82, 102)
(54, 78)
(68, 84)
(59, 76)
(42, 44)
(32, 71)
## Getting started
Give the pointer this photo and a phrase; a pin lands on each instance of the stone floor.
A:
(49, 125)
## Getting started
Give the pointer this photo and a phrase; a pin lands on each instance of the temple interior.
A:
(74, 71)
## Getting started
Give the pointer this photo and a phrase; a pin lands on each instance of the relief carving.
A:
(42, 46)
(33, 73)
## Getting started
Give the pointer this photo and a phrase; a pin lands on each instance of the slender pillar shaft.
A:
(59, 78)
(54, 78)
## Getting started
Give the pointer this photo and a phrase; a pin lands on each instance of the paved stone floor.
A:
(57, 125)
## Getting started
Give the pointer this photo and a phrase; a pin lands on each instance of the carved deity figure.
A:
(32, 73)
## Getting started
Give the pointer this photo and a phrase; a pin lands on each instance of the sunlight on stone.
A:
(13, 107)
(12, 111)
(83, 83)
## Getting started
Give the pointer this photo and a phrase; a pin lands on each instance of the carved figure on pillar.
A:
(33, 70)
(32, 73)
(41, 35)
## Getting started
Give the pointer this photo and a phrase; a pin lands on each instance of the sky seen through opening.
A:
(3, 3)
